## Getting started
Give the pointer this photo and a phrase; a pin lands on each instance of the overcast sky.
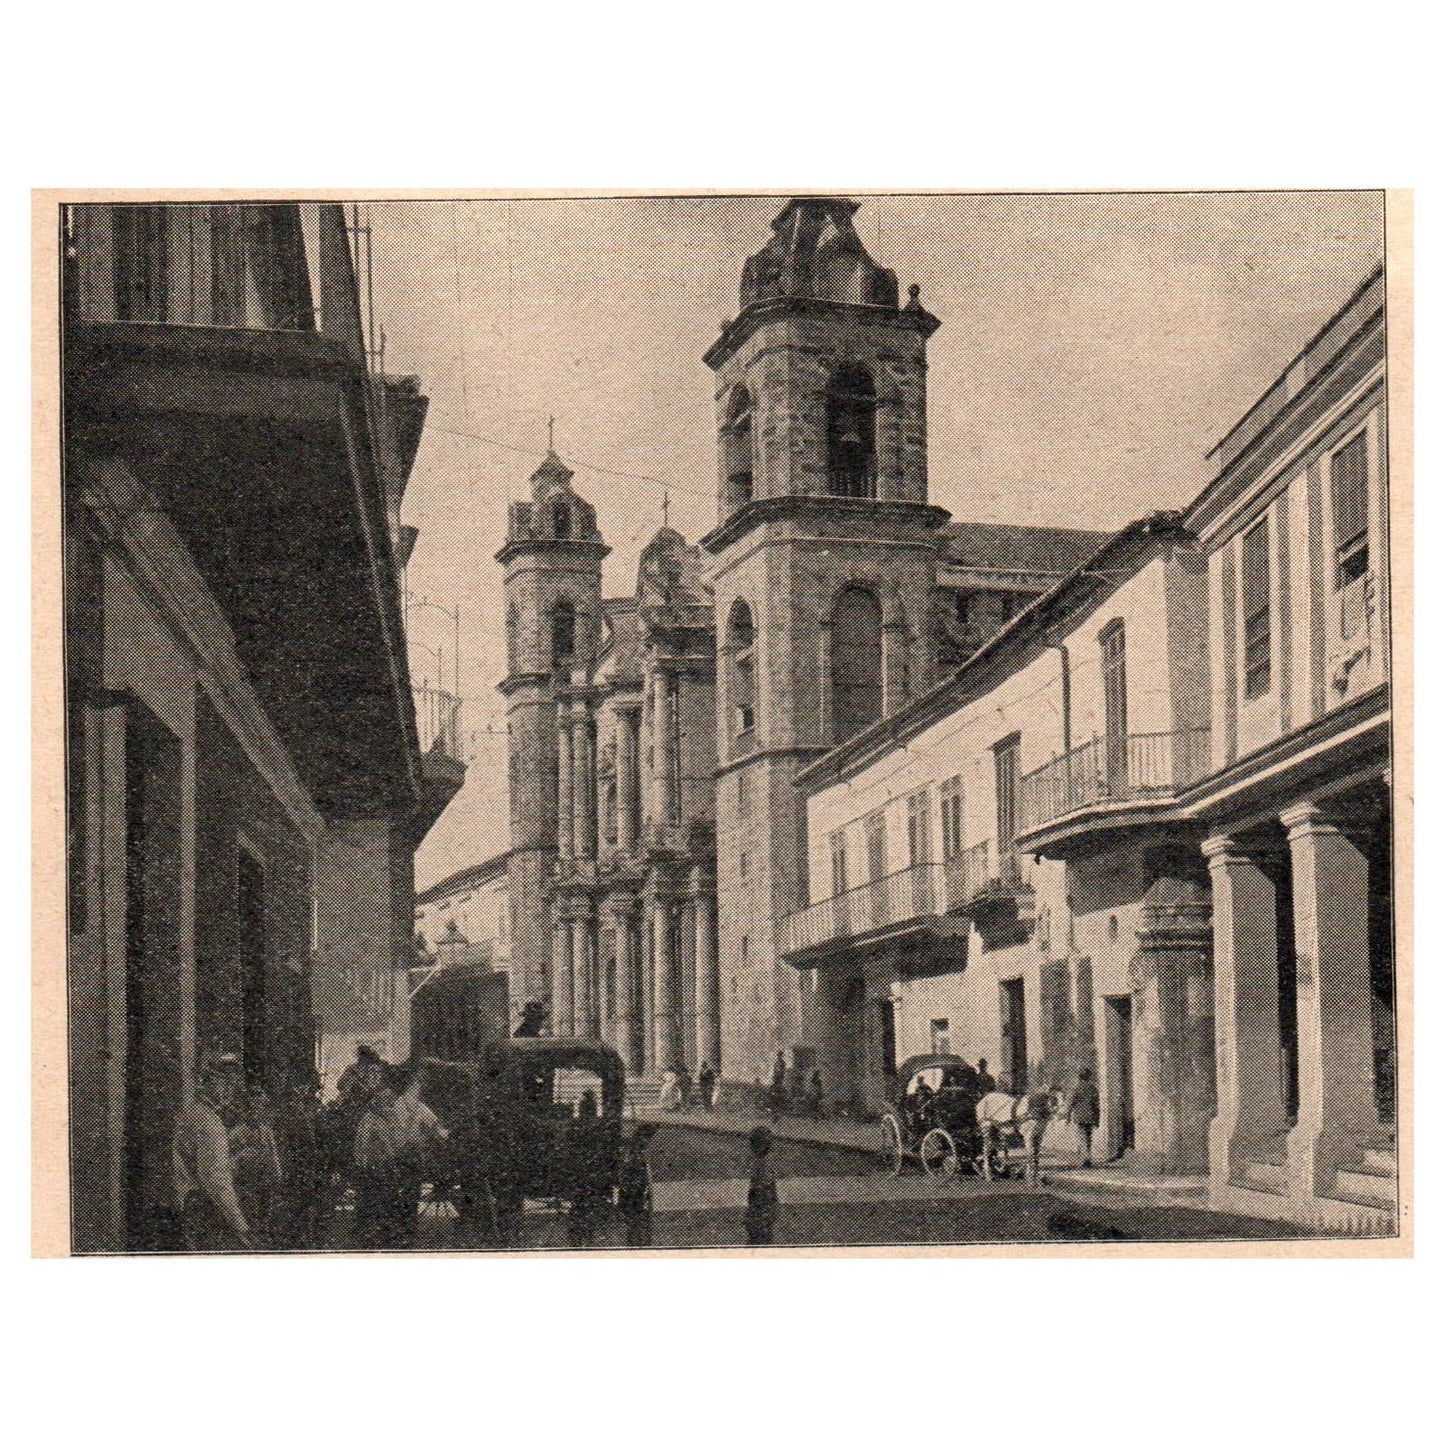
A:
(1093, 349)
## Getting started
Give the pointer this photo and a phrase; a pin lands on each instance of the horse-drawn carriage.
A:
(537, 1119)
(940, 1114)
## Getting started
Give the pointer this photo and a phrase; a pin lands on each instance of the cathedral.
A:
(658, 839)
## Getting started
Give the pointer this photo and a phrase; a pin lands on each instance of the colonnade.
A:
(634, 958)
(1326, 1060)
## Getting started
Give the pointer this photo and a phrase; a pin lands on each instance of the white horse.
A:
(1002, 1117)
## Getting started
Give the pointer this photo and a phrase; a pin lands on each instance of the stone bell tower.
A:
(823, 568)
(553, 586)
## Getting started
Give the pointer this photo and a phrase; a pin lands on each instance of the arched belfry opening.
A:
(852, 433)
(561, 517)
(856, 662)
(564, 634)
(737, 443)
(742, 684)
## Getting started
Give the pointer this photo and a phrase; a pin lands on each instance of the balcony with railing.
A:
(438, 734)
(1109, 782)
(909, 906)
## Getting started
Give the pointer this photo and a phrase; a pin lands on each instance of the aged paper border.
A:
(50, 1200)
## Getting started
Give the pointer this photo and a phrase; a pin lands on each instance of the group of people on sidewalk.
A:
(247, 1176)
(678, 1090)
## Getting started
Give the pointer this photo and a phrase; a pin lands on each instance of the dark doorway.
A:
(251, 964)
(1014, 1033)
(1119, 1062)
(887, 1038)
(1382, 967)
(1283, 877)
(152, 974)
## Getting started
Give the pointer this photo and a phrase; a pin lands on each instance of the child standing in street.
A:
(762, 1212)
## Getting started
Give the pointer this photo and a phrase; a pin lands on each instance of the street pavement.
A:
(834, 1194)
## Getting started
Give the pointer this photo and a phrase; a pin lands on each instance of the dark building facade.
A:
(245, 787)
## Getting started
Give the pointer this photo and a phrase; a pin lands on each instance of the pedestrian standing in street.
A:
(533, 1022)
(815, 1094)
(1084, 1112)
(670, 1095)
(423, 1140)
(762, 1212)
(706, 1087)
(986, 1082)
(205, 1187)
(778, 1089)
(304, 1163)
(256, 1163)
(634, 1187)
(382, 1180)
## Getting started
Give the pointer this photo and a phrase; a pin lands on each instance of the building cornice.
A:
(892, 513)
(778, 308)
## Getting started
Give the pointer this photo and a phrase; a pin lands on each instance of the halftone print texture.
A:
(556, 686)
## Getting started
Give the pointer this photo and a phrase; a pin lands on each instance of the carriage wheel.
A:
(890, 1154)
(939, 1154)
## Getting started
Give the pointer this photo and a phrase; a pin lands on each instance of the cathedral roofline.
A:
(742, 326)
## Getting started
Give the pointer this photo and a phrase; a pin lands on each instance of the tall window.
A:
(951, 816)
(920, 838)
(512, 637)
(1349, 496)
(875, 843)
(852, 441)
(564, 633)
(1116, 705)
(838, 857)
(1006, 793)
(140, 262)
(1255, 579)
(741, 636)
(857, 662)
(738, 450)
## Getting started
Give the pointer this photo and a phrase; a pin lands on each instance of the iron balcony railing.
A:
(438, 716)
(1139, 767)
(887, 902)
(980, 868)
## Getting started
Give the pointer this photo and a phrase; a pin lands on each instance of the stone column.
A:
(628, 720)
(1174, 1029)
(666, 1054)
(687, 984)
(584, 787)
(564, 785)
(1250, 1108)
(646, 972)
(629, 1041)
(1332, 983)
(581, 979)
(709, 1021)
(564, 1021)
(663, 748)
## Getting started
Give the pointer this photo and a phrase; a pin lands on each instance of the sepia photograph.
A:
(736, 723)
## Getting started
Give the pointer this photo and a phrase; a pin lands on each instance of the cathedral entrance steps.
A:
(1266, 1174)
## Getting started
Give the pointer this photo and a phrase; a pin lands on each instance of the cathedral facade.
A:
(658, 835)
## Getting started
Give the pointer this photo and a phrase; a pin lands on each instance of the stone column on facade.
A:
(584, 787)
(687, 984)
(582, 978)
(628, 719)
(666, 1054)
(646, 971)
(709, 1022)
(663, 747)
(1251, 1110)
(629, 987)
(563, 999)
(1332, 983)
(1174, 1092)
(564, 785)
